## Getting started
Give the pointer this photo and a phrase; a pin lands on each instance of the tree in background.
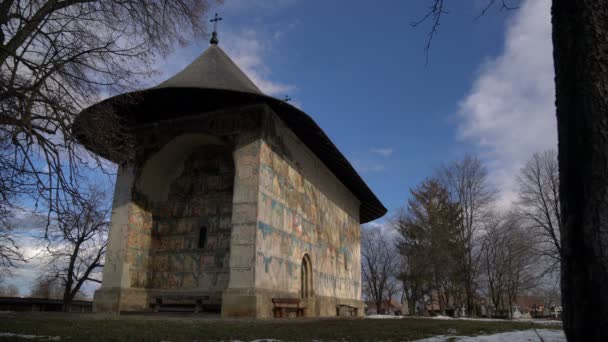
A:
(414, 277)
(539, 205)
(9, 290)
(580, 35)
(9, 183)
(519, 259)
(467, 182)
(550, 295)
(77, 243)
(56, 58)
(9, 251)
(47, 288)
(507, 261)
(493, 262)
(428, 242)
(379, 267)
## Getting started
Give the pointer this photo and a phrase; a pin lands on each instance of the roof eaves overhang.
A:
(155, 104)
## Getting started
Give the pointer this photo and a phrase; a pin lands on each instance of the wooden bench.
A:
(196, 304)
(282, 306)
(346, 310)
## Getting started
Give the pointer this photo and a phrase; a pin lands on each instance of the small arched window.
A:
(202, 237)
(306, 277)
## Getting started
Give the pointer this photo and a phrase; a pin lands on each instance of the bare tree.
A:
(518, 260)
(9, 251)
(549, 294)
(45, 287)
(467, 182)
(9, 291)
(539, 204)
(379, 266)
(580, 33)
(508, 261)
(493, 261)
(77, 243)
(9, 183)
(59, 56)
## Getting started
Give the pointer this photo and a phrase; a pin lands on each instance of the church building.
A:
(227, 200)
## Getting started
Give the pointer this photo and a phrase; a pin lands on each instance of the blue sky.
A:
(359, 69)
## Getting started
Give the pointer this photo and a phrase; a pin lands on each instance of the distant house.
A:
(387, 307)
(531, 304)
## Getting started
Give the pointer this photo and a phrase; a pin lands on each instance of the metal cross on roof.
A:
(287, 98)
(215, 20)
(214, 39)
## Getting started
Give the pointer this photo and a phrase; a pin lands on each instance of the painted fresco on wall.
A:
(295, 218)
(139, 231)
(164, 245)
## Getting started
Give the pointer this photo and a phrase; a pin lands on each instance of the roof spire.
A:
(214, 39)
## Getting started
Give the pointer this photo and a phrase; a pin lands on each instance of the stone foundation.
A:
(327, 306)
(257, 303)
(115, 300)
(239, 303)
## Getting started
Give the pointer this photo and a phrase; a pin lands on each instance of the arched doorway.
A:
(306, 290)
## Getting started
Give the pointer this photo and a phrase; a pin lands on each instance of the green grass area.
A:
(93, 327)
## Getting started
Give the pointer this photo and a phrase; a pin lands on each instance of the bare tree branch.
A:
(56, 58)
(437, 9)
(77, 241)
(539, 202)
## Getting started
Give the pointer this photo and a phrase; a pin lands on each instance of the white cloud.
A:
(367, 166)
(384, 151)
(247, 48)
(283, 30)
(509, 112)
(25, 273)
(28, 235)
(385, 227)
(248, 51)
(373, 160)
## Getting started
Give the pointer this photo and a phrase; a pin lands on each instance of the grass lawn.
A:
(95, 327)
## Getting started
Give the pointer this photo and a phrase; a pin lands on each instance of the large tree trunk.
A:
(580, 45)
(412, 307)
(67, 302)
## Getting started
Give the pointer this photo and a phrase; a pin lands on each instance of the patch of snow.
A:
(531, 320)
(31, 337)
(384, 317)
(523, 320)
(526, 335)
